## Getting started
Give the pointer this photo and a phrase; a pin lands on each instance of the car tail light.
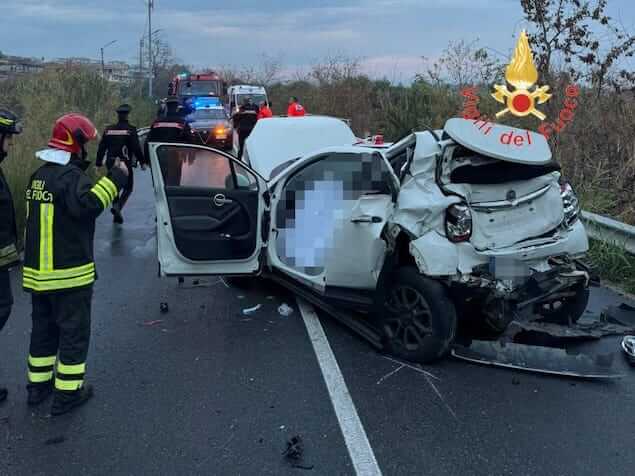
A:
(570, 203)
(458, 223)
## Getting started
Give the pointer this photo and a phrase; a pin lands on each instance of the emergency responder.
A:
(265, 110)
(244, 122)
(171, 127)
(62, 206)
(295, 108)
(9, 126)
(120, 140)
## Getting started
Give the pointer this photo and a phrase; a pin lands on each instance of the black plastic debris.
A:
(623, 315)
(294, 453)
(164, 307)
(628, 346)
(55, 440)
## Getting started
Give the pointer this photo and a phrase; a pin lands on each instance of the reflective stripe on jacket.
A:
(62, 205)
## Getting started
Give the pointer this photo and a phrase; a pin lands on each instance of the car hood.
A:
(499, 141)
(208, 124)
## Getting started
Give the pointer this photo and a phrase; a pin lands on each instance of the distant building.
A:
(118, 72)
(14, 66)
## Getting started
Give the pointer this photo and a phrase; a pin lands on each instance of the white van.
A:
(237, 94)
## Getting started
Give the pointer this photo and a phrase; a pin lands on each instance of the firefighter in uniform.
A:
(62, 206)
(121, 141)
(171, 127)
(9, 126)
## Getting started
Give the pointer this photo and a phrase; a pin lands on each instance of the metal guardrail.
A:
(608, 230)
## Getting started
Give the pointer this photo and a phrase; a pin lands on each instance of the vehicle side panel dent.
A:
(421, 205)
(435, 255)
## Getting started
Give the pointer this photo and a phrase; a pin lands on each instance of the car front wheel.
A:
(416, 317)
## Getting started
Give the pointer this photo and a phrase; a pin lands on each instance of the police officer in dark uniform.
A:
(59, 269)
(9, 126)
(244, 122)
(121, 141)
(171, 127)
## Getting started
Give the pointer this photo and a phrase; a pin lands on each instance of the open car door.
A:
(210, 211)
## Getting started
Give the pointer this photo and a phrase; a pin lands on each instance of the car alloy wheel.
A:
(409, 323)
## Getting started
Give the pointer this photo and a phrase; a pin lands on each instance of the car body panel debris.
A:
(251, 310)
(623, 314)
(539, 359)
(285, 310)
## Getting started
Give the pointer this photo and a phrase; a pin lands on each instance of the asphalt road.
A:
(207, 390)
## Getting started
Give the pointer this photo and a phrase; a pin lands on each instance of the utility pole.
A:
(140, 66)
(150, 62)
(103, 65)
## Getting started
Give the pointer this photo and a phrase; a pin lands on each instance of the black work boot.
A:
(3, 394)
(116, 213)
(38, 392)
(64, 402)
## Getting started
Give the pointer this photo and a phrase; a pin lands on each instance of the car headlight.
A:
(570, 203)
(458, 223)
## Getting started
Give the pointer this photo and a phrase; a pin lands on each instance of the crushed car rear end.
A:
(493, 222)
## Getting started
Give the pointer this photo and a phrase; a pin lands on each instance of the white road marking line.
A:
(359, 448)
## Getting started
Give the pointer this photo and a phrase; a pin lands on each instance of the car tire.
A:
(569, 310)
(416, 317)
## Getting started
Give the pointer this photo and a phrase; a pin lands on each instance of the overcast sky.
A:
(390, 35)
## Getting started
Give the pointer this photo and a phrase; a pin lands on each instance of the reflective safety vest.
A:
(8, 234)
(62, 205)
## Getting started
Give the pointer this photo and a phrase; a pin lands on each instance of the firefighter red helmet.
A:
(71, 132)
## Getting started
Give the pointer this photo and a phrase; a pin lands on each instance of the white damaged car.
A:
(470, 222)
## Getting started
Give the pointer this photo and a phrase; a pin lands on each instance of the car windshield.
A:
(255, 98)
(207, 114)
(200, 88)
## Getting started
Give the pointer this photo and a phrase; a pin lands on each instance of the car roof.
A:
(499, 141)
(277, 140)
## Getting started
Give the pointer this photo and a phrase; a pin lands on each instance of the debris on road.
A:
(285, 310)
(390, 374)
(164, 307)
(55, 440)
(628, 346)
(622, 315)
(294, 453)
(152, 323)
(547, 360)
(251, 310)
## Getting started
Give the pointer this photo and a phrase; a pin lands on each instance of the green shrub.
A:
(40, 100)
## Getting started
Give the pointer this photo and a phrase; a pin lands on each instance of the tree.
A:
(575, 31)
(464, 64)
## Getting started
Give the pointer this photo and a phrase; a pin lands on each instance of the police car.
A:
(209, 123)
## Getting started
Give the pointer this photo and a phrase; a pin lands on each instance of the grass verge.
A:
(614, 264)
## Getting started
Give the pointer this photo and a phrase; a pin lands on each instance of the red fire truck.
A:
(186, 86)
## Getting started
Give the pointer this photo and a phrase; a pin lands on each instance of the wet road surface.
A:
(206, 390)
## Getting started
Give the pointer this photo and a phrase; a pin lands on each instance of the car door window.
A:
(319, 195)
(202, 168)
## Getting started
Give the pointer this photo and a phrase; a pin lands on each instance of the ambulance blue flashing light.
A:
(200, 103)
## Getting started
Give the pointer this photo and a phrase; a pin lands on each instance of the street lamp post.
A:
(103, 66)
(150, 62)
